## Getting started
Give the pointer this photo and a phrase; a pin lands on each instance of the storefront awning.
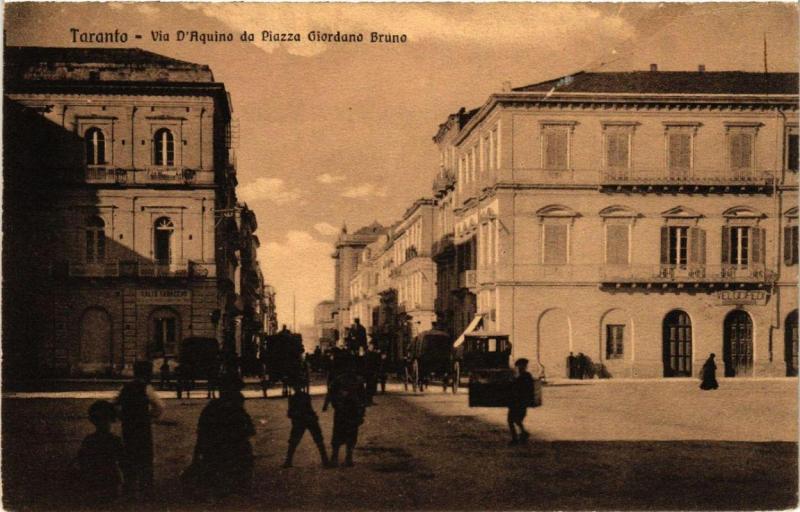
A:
(471, 327)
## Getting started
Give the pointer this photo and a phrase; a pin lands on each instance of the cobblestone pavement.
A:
(433, 452)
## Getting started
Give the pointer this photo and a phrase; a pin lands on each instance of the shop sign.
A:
(742, 297)
(164, 297)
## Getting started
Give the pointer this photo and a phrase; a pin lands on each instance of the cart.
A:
(198, 359)
(429, 356)
(282, 362)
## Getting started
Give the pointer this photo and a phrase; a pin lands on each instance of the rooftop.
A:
(670, 82)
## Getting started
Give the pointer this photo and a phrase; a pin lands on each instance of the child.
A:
(100, 456)
(303, 418)
(521, 396)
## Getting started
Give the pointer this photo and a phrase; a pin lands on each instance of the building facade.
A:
(324, 325)
(122, 161)
(644, 219)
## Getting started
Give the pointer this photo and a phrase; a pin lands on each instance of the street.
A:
(671, 450)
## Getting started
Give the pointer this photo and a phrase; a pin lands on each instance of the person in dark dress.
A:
(372, 363)
(100, 457)
(572, 366)
(303, 417)
(709, 374)
(347, 394)
(520, 400)
(139, 405)
(223, 453)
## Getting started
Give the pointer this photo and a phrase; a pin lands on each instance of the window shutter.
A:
(758, 246)
(787, 245)
(701, 251)
(664, 245)
(693, 246)
(679, 150)
(726, 245)
(617, 244)
(555, 244)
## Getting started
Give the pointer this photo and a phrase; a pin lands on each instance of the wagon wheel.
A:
(415, 382)
(456, 376)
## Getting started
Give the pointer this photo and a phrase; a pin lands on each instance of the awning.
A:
(471, 327)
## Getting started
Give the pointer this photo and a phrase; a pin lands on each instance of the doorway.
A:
(677, 339)
(738, 344)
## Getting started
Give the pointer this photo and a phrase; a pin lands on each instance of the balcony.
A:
(443, 244)
(687, 180)
(172, 269)
(723, 276)
(108, 268)
(468, 279)
(154, 175)
(104, 174)
(132, 268)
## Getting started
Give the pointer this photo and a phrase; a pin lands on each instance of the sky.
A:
(334, 133)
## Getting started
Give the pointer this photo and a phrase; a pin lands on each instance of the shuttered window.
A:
(743, 245)
(617, 147)
(615, 336)
(679, 152)
(792, 152)
(556, 147)
(555, 244)
(741, 151)
(790, 234)
(617, 244)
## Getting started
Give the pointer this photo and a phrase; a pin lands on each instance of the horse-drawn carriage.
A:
(283, 362)
(198, 359)
(428, 356)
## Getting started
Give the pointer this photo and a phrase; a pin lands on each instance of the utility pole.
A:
(294, 312)
(765, 53)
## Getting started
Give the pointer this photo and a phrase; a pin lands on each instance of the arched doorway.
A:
(95, 336)
(738, 344)
(165, 329)
(677, 340)
(790, 334)
(554, 343)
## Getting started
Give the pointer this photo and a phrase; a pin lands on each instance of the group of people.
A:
(222, 461)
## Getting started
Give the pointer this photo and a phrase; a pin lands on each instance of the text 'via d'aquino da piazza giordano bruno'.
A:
(245, 36)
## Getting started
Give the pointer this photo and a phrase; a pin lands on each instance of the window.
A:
(618, 149)
(790, 241)
(792, 154)
(95, 240)
(163, 148)
(555, 152)
(741, 152)
(742, 245)
(617, 244)
(682, 246)
(679, 152)
(95, 146)
(555, 244)
(615, 335)
(162, 241)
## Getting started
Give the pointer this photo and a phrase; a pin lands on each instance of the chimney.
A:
(701, 68)
(653, 67)
(507, 86)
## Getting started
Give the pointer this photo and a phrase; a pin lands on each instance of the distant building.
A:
(324, 326)
(121, 227)
(644, 219)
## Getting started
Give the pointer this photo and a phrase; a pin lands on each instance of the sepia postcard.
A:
(400, 256)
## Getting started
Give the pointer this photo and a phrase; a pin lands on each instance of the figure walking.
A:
(709, 374)
(347, 394)
(520, 400)
(139, 405)
(303, 417)
(100, 457)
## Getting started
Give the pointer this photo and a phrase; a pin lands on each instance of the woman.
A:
(709, 374)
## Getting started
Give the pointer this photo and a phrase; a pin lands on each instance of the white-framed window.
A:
(163, 229)
(615, 341)
(683, 245)
(743, 245)
(95, 239)
(163, 147)
(95, 142)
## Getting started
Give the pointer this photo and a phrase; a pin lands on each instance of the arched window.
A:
(163, 148)
(95, 146)
(163, 230)
(95, 239)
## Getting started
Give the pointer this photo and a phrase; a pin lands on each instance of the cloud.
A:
(269, 189)
(365, 190)
(298, 266)
(328, 178)
(324, 228)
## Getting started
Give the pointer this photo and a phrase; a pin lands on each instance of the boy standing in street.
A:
(520, 400)
(303, 418)
(139, 404)
(100, 457)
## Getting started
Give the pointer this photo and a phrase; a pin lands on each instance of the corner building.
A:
(645, 219)
(120, 210)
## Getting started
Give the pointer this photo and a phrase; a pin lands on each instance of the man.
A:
(359, 334)
(520, 400)
(139, 405)
(303, 418)
(372, 363)
(347, 394)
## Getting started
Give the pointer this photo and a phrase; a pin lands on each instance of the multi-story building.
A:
(644, 219)
(120, 219)
(324, 325)
(347, 254)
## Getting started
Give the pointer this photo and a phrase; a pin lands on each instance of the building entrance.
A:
(790, 332)
(677, 344)
(738, 344)
(164, 334)
(95, 340)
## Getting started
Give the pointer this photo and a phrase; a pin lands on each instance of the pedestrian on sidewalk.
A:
(709, 374)
(303, 417)
(100, 458)
(521, 398)
(139, 405)
(347, 394)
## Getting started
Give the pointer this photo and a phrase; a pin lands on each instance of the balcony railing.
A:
(704, 177)
(133, 268)
(93, 269)
(755, 274)
(107, 174)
